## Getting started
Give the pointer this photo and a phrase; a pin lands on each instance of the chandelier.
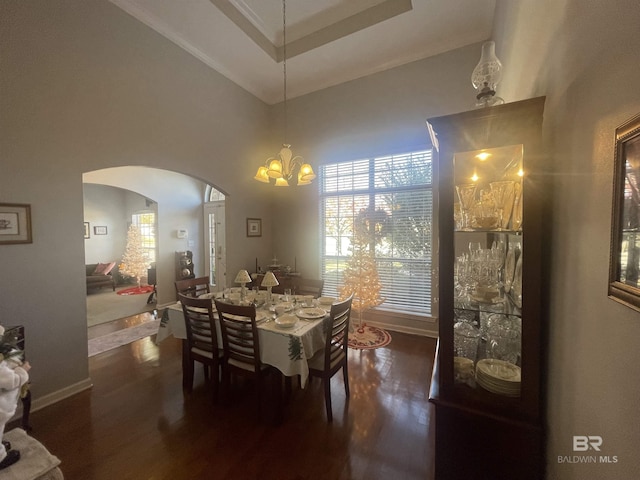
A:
(285, 166)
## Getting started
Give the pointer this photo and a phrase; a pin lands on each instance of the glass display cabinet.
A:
(488, 373)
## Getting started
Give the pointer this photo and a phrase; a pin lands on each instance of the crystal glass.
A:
(485, 216)
(516, 223)
(502, 193)
(504, 337)
(467, 197)
(466, 340)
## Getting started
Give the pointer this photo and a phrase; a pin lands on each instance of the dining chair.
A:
(193, 287)
(202, 342)
(308, 286)
(241, 345)
(333, 356)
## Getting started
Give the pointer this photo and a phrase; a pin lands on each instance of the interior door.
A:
(215, 253)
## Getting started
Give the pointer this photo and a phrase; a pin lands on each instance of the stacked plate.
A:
(499, 377)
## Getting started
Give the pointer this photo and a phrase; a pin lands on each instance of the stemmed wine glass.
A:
(467, 196)
(502, 191)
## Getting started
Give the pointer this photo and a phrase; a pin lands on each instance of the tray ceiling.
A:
(328, 41)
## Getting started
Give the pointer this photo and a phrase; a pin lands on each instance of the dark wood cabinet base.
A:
(478, 447)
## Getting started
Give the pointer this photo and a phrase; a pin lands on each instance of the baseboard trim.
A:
(50, 399)
(401, 329)
(399, 322)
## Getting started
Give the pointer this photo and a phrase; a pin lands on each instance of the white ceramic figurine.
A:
(13, 375)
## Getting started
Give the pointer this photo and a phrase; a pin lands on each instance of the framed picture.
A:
(87, 232)
(100, 230)
(15, 223)
(254, 227)
(624, 263)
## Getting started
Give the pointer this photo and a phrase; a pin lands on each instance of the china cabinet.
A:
(488, 374)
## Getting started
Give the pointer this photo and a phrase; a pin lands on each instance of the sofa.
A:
(100, 275)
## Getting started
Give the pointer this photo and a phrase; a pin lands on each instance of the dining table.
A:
(288, 349)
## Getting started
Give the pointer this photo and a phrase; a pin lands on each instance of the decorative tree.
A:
(134, 261)
(360, 275)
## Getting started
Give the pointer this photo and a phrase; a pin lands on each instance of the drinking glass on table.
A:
(287, 294)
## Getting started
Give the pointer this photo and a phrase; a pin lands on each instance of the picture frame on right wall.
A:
(624, 262)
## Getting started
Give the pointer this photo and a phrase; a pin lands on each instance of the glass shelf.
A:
(507, 307)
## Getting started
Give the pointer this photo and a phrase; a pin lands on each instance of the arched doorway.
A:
(180, 221)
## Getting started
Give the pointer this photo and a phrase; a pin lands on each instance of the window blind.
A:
(401, 186)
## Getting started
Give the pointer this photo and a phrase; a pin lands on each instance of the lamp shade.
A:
(275, 169)
(282, 182)
(303, 182)
(306, 173)
(269, 280)
(243, 277)
(262, 176)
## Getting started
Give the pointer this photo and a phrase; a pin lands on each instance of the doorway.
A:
(215, 253)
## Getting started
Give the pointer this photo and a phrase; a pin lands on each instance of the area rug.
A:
(105, 306)
(35, 461)
(366, 337)
(136, 290)
(122, 337)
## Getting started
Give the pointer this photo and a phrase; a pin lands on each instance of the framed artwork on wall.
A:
(87, 232)
(100, 230)
(15, 223)
(254, 227)
(624, 264)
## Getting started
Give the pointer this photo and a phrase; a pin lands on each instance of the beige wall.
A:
(585, 57)
(87, 87)
(376, 115)
(84, 86)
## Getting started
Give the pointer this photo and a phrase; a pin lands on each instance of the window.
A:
(146, 223)
(401, 186)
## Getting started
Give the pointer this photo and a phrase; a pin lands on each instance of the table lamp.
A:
(269, 281)
(243, 278)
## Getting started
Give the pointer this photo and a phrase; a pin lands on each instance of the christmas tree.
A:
(134, 261)
(360, 275)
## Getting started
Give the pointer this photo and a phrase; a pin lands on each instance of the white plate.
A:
(498, 370)
(285, 305)
(260, 316)
(311, 313)
(326, 300)
(286, 321)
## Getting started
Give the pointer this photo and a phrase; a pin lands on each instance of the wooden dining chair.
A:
(333, 357)
(308, 286)
(241, 345)
(202, 342)
(193, 287)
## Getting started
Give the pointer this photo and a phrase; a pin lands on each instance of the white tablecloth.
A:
(286, 349)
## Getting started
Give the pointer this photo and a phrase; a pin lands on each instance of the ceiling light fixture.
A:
(283, 167)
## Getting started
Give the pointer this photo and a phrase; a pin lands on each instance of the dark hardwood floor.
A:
(136, 423)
